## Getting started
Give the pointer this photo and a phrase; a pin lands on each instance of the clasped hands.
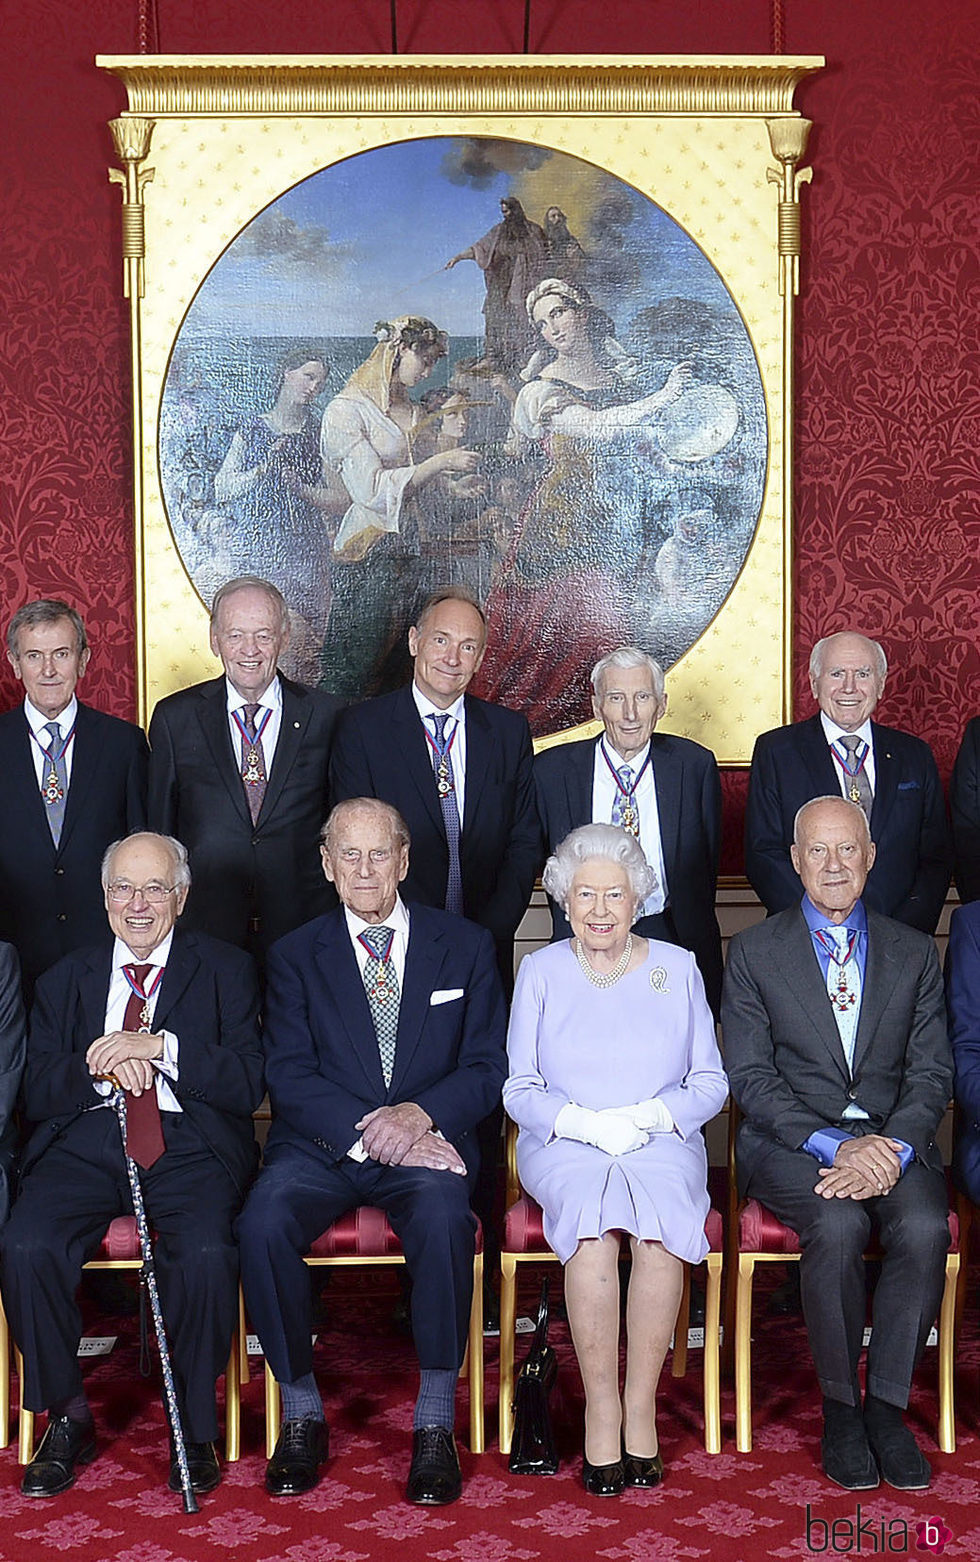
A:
(403, 1135)
(127, 1055)
(615, 1129)
(864, 1168)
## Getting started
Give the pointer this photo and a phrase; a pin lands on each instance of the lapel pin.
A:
(296, 725)
(658, 979)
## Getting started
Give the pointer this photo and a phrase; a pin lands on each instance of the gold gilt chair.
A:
(524, 1243)
(121, 1250)
(364, 1236)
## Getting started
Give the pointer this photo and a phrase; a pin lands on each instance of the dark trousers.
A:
(911, 1226)
(67, 1200)
(297, 1196)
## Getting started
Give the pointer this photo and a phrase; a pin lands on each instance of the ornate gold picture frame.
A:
(522, 323)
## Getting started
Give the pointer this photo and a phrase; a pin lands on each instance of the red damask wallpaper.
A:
(888, 529)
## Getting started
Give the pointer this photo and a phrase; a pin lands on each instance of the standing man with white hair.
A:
(891, 775)
(663, 789)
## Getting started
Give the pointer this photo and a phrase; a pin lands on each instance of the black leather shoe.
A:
(64, 1444)
(846, 1456)
(603, 1480)
(301, 1448)
(435, 1477)
(640, 1471)
(202, 1467)
(898, 1456)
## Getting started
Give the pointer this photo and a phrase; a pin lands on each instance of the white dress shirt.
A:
(38, 724)
(456, 723)
(398, 921)
(604, 791)
(833, 734)
(270, 700)
(166, 1067)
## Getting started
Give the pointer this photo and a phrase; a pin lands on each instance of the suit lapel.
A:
(819, 762)
(22, 778)
(297, 709)
(886, 783)
(343, 992)
(181, 967)
(879, 980)
(93, 991)
(804, 980)
(667, 784)
(410, 745)
(479, 746)
(85, 761)
(423, 963)
(578, 777)
(213, 716)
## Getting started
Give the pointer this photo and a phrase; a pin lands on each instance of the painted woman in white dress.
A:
(366, 439)
(614, 1069)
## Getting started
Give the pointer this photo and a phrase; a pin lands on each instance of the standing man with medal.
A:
(73, 779)
(239, 773)
(889, 774)
(384, 1034)
(663, 789)
(836, 1050)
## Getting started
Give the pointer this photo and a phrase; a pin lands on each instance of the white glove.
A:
(608, 1131)
(650, 1114)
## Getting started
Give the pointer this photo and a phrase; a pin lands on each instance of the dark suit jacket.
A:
(963, 1000)
(689, 805)
(381, 751)
(323, 1067)
(272, 870)
(208, 998)
(911, 874)
(51, 901)
(13, 1032)
(783, 1051)
(964, 804)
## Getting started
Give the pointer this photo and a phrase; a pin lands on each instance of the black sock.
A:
(76, 1409)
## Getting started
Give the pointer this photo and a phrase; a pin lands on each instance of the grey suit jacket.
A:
(783, 1052)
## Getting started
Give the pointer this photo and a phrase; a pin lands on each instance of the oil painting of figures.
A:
(462, 360)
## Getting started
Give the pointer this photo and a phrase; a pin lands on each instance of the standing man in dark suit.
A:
(173, 1016)
(13, 1035)
(836, 1050)
(459, 771)
(665, 790)
(239, 773)
(385, 1047)
(964, 806)
(963, 1001)
(890, 774)
(73, 780)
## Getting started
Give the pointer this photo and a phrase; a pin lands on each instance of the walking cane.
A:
(117, 1101)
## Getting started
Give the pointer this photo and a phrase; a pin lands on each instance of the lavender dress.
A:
(651, 1034)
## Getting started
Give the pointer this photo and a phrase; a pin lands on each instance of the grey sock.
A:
(436, 1404)
(301, 1400)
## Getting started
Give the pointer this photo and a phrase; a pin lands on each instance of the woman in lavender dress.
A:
(614, 1068)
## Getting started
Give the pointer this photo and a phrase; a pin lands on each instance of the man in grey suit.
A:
(836, 1049)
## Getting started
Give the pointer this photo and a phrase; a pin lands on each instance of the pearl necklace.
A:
(611, 977)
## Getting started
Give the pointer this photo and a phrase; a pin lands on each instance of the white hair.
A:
(628, 656)
(607, 842)
(859, 815)
(816, 655)
(182, 868)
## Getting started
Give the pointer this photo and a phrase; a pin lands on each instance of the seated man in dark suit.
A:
(665, 790)
(173, 1016)
(891, 775)
(239, 773)
(73, 779)
(836, 1050)
(385, 1048)
(963, 1002)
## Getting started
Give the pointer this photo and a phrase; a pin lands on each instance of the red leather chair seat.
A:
(364, 1232)
(760, 1232)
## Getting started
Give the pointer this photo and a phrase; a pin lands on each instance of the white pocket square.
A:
(446, 996)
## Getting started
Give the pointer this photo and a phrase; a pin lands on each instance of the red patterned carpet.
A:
(731, 1507)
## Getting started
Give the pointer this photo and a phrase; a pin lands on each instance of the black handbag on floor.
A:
(532, 1449)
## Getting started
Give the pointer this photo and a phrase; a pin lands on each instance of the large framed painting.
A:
(518, 325)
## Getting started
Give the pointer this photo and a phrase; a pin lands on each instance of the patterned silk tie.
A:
(144, 1130)
(253, 764)
(858, 785)
(54, 785)
(624, 810)
(446, 784)
(381, 986)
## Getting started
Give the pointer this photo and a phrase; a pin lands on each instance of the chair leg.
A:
(4, 1379)
(712, 1384)
(25, 1418)
(272, 1412)
(475, 1353)
(743, 1353)
(678, 1360)
(947, 1340)
(508, 1321)
(244, 1370)
(233, 1402)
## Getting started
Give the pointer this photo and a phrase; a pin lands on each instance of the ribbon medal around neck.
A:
(852, 767)
(383, 987)
(630, 818)
(252, 772)
(444, 778)
(52, 791)
(843, 996)
(144, 996)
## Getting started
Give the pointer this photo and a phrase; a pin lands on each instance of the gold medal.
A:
(443, 784)
(53, 791)
(855, 794)
(252, 772)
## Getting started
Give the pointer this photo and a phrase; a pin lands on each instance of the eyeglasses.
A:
(153, 894)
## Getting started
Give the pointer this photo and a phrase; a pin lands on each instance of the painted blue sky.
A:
(369, 237)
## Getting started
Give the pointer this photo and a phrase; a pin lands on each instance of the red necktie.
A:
(144, 1130)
